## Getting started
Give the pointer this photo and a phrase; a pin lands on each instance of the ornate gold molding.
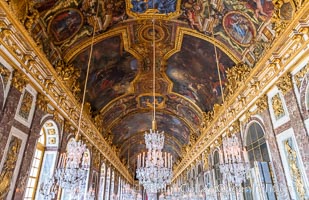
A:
(33, 64)
(236, 76)
(271, 66)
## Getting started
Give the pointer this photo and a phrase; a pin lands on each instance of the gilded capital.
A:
(42, 102)
(19, 80)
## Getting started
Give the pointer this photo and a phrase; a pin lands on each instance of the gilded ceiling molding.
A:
(16, 40)
(120, 31)
(179, 37)
(280, 18)
(271, 66)
(25, 11)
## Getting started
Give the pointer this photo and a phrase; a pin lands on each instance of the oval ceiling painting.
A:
(65, 24)
(238, 26)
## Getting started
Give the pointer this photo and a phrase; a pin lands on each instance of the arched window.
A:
(256, 144)
(259, 158)
(112, 185)
(44, 159)
(216, 166)
(102, 182)
(86, 162)
(119, 188)
(108, 182)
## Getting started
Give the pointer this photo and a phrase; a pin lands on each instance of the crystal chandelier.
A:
(129, 194)
(48, 189)
(154, 169)
(233, 163)
(91, 194)
(72, 167)
(71, 171)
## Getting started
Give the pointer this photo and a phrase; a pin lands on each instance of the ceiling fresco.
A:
(235, 23)
(195, 74)
(110, 73)
(120, 79)
(141, 122)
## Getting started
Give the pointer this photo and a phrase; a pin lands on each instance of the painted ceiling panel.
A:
(112, 70)
(194, 72)
(188, 80)
(141, 122)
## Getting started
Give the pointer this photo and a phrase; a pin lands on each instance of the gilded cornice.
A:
(273, 65)
(33, 63)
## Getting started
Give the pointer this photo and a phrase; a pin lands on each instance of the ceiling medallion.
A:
(147, 31)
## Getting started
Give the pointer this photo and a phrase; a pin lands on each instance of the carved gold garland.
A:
(37, 68)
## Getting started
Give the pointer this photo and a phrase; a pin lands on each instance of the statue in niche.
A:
(9, 166)
(294, 169)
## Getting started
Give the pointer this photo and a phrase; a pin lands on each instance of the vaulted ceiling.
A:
(189, 34)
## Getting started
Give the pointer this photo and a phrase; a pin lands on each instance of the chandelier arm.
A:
(154, 73)
(217, 60)
(87, 74)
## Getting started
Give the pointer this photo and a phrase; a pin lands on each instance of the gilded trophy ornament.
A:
(42, 102)
(9, 166)
(294, 169)
(19, 80)
(69, 76)
(26, 105)
(236, 76)
(277, 106)
(285, 83)
(261, 104)
(207, 118)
